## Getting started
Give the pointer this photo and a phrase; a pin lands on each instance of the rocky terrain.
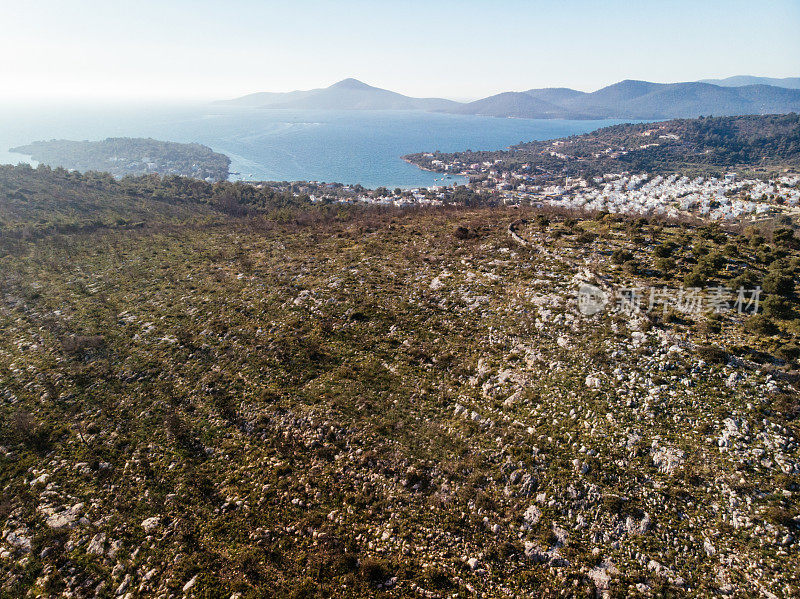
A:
(397, 403)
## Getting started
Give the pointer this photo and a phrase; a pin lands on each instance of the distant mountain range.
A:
(740, 80)
(627, 99)
(349, 94)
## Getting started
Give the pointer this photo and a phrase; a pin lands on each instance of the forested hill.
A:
(131, 156)
(769, 142)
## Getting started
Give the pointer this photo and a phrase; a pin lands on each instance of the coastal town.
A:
(728, 197)
(717, 169)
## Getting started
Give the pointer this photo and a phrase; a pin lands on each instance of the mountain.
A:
(639, 100)
(555, 95)
(741, 80)
(512, 104)
(629, 99)
(349, 94)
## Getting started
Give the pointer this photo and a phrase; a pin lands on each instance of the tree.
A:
(760, 324)
(696, 278)
(784, 237)
(621, 256)
(778, 283)
(664, 250)
(775, 306)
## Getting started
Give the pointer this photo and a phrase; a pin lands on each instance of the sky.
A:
(461, 49)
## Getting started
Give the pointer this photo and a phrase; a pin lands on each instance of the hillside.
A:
(122, 156)
(714, 144)
(40, 202)
(392, 403)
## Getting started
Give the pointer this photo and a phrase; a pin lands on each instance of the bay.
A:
(287, 145)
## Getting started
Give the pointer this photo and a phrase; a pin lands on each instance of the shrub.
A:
(696, 278)
(26, 431)
(664, 250)
(711, 324)
(731, 249)
(712, 354)
(789, 352)
(775, 306)
(712, 262)
(631, 267)
(438, 579)
(542, 222)
(760, 324)
(621, 256)
(81, 344)
(779, 283)
(787, 405)
(765, 256)
(784, 237)
(665, 265)
(745, 280)
(778, 515)
(462, 232)
(375, 571)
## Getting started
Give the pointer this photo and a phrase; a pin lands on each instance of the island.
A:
(122, 156)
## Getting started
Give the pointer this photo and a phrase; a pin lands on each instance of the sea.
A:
(287, 145)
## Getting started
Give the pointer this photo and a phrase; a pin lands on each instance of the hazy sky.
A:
(459, 49)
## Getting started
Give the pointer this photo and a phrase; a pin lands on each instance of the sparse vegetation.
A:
(329, 401)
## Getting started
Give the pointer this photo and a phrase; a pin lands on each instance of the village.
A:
(672, 195)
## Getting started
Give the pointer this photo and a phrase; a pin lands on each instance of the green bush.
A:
(696, 278)
(712, 354)
(760, 324)
(665, 265)
(789, 352)
(775, 306)
(711, 263)
(731, 249)
(785, 237)
(621, 256)
(745, 280)
(664, 250)
(779, 283)
(631, 267)
(765, 256)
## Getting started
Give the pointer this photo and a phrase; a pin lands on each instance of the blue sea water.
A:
(287, 145)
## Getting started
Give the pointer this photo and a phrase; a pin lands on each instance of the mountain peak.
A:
(350, 83)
